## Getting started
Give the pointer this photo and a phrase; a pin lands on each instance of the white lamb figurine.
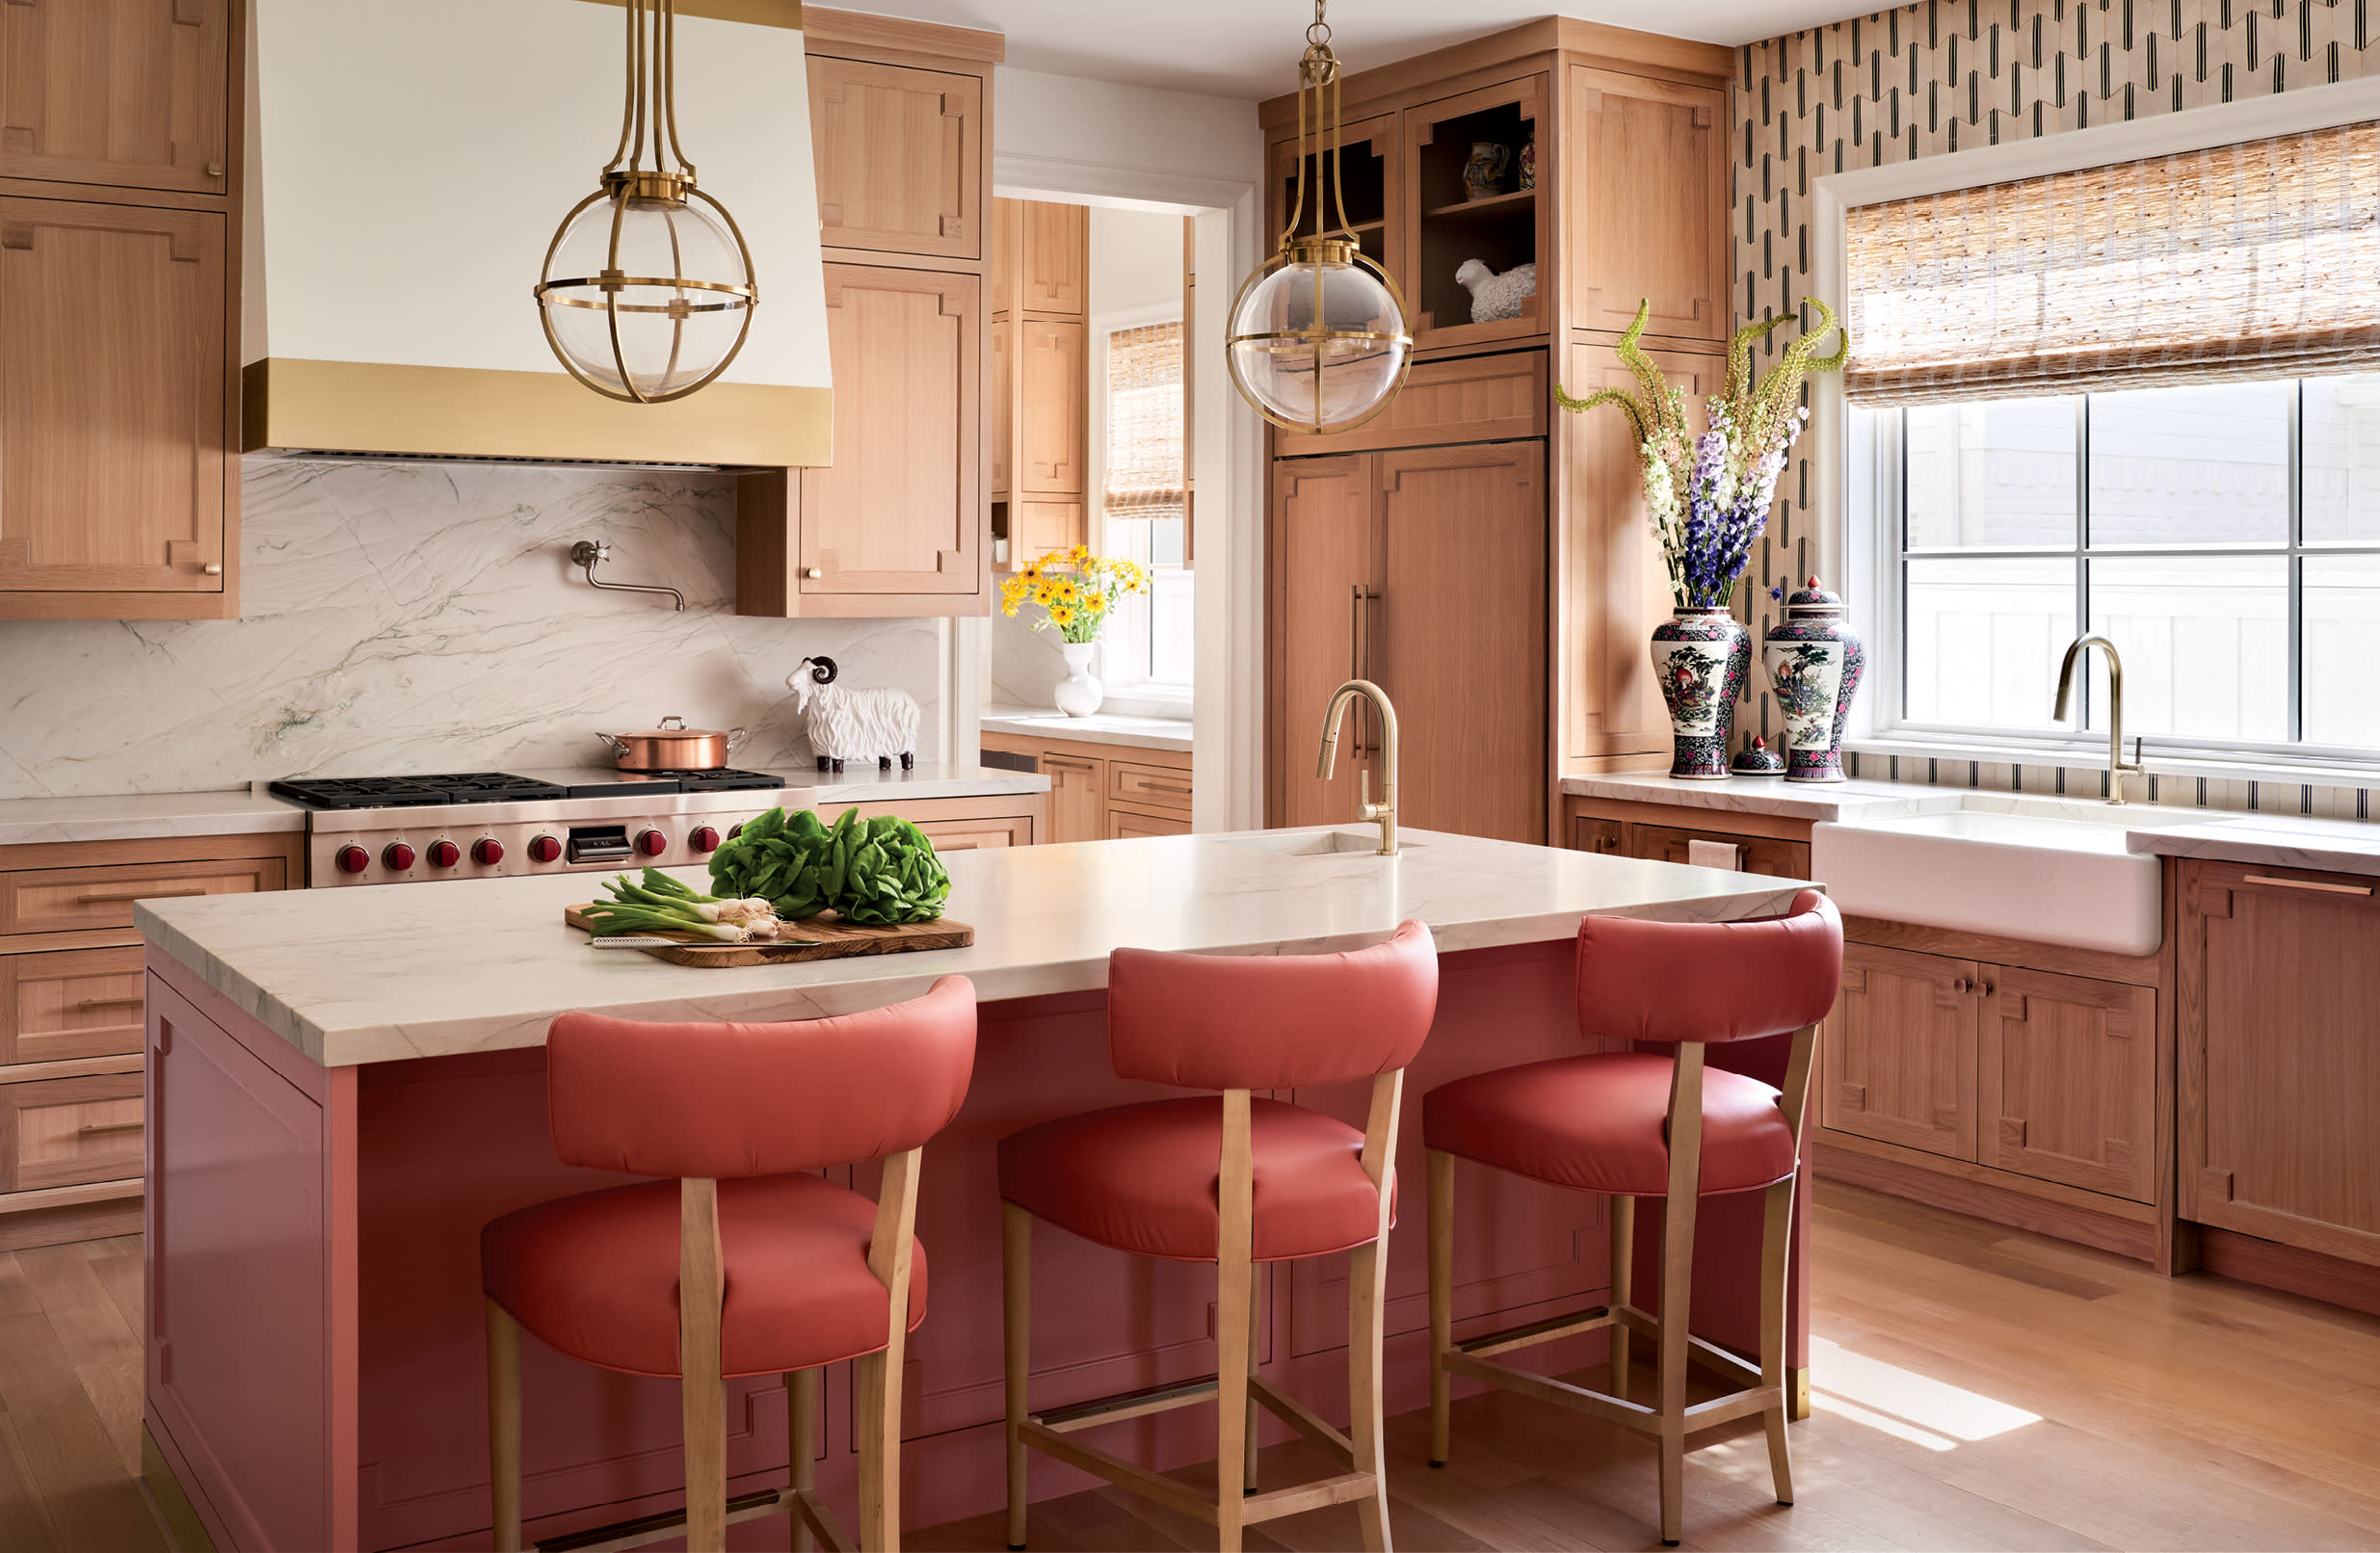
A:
(1496, 296)
(853, 725)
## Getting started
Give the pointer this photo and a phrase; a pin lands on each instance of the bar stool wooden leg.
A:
(1256, 1347)
(1776, 1232)
(503, 1425)
(1017, 1351)
(1440, 1232)
(1235, 1267)
(876, 1376)
(801, 1446)
(1366, 1298)
(701, 1286)
(1622, 1210)
(1685, 1170)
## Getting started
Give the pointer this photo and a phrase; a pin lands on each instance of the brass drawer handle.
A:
(1162, 787)
(2309, 884)
(121, 896)
(86, 1005)
(109, 1127)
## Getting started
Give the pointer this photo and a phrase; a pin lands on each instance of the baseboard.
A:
(1979, 1199)
(82, 1221)
(2291, 1268)
(171, 1505)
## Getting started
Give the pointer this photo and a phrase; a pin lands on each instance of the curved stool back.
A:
(712, 1102)
(1631, 1125)
(1233, 1023)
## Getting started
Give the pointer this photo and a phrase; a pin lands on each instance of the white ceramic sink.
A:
(1319, 843)
(2063, 878)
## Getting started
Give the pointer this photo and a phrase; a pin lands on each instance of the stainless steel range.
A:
(491, 825)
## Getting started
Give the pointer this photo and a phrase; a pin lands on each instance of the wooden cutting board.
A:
(837, 938)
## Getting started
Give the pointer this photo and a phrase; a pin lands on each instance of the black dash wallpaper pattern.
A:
(1948, 75)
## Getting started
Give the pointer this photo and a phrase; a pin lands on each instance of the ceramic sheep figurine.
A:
(853, 725)
(1496, 296)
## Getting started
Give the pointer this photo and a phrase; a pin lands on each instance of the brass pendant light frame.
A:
(1318, 79)
(651, 107)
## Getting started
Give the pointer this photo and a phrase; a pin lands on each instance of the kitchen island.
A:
(345, 1086)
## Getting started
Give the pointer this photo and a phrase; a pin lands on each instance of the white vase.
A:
(1079, 695)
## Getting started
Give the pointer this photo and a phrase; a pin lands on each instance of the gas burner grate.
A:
(414, 792)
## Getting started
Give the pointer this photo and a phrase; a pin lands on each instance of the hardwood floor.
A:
(1977, 1387)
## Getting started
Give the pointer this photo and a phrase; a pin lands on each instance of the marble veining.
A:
(423, 617)
(384, 975)
(2334, 846)
(143, 816)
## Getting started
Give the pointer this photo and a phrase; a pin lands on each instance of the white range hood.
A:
(407, 165)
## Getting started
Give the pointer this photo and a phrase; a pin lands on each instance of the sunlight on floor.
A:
(1904, 1404)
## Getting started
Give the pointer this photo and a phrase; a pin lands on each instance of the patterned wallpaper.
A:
(1943, 76)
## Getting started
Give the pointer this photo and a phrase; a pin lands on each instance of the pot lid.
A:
(673, 727)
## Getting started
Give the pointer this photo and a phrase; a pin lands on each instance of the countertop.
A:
(1101, 727)
(243, 811)
(1759, 795)
(2274, 840)
(350, 977)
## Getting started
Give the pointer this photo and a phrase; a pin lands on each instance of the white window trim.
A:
(1143, 700)
(1845, 480)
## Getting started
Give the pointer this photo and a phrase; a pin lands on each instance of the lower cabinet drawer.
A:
(1149, 787)
(1122, 824)
(61, 1131)
(971, 835)
(58, 900)
(70, 1003)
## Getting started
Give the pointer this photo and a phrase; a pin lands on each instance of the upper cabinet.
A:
(1473, 196)
(130, 94)
(120, 220)
(1042, 265)
(1041, 376)
(900, 152)
(1648, 218)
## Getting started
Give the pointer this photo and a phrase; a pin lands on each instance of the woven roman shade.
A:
(2255, 260)
(1144, 423)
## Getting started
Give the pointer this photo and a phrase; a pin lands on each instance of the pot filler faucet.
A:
(2074, 655)
(1384, 812)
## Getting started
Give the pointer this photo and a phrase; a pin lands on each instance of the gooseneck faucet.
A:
(2074, 655)
(1384, 812)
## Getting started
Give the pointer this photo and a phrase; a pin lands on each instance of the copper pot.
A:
(673, 747)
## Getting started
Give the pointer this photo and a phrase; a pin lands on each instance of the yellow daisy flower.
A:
(1061, 617)
(1095, 603)
(1082, 553)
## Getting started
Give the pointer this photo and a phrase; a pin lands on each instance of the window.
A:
(1146, 653)
(2141, 400)
(2225, 537)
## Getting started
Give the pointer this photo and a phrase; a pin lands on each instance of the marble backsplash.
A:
(418, 617)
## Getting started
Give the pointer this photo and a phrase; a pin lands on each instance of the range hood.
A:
(407, 165)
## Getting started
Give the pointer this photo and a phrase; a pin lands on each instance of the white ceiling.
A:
(1249, 48)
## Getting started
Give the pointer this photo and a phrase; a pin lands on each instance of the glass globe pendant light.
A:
(647, 296)
(1317, 340)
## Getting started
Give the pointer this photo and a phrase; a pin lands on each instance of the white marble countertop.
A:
(2274, 840)
(1759, 795)
(1101, 727)
(141, 816)
(865, 784)
(382, 975)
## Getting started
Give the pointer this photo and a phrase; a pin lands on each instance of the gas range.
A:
(495, 825)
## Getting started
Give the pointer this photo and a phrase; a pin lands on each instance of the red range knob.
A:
(545, 850)
(702, 838)
(488, 852)
(735, 831)
(397, 855)
(353, 859)
(444, 854)
(651, 843)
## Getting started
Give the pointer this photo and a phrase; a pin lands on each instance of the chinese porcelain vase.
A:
(1814, 662)
(1483, 176)
(1079, 695)
(1702, 658)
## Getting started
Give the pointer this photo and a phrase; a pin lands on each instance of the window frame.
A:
(1145, 697)
(1878, 485)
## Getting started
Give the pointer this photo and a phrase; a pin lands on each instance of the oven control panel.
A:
(393, 853)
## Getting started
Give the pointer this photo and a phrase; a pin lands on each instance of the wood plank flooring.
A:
(1977, 1387)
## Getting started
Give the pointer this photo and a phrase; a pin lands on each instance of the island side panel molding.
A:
(251, 1233)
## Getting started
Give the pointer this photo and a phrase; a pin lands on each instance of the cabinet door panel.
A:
(1053, 406)
(129, 92)
(1037, 528)
(1461, 632)
(900, 510)
(1652, 149)
(65, 900)
(1320, 550)
(1053, 257)
(1899, 1051)
(1754, 855)
(112, 398)
(2068, 1081)
(2279, 1025)
(1615, 588)
(1003, 405)
(898, 152)
(1077, 797)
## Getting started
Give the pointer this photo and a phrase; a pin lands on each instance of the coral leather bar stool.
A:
(1639, 1124)
(1237, 1181)
(747, 1264)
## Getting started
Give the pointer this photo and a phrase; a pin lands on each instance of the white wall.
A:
(1111, 138)
(1135, 259)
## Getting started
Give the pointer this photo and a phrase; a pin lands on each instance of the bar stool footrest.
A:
(644, 1530)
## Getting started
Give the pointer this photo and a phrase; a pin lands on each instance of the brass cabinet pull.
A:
(213, 569)
(813, 573)
(2309, 884)
(1985, 988)
(121, 896)
(1360, 661)
(1149, 787)
(109, 1127)
(86, 1005)
(1961, 985)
